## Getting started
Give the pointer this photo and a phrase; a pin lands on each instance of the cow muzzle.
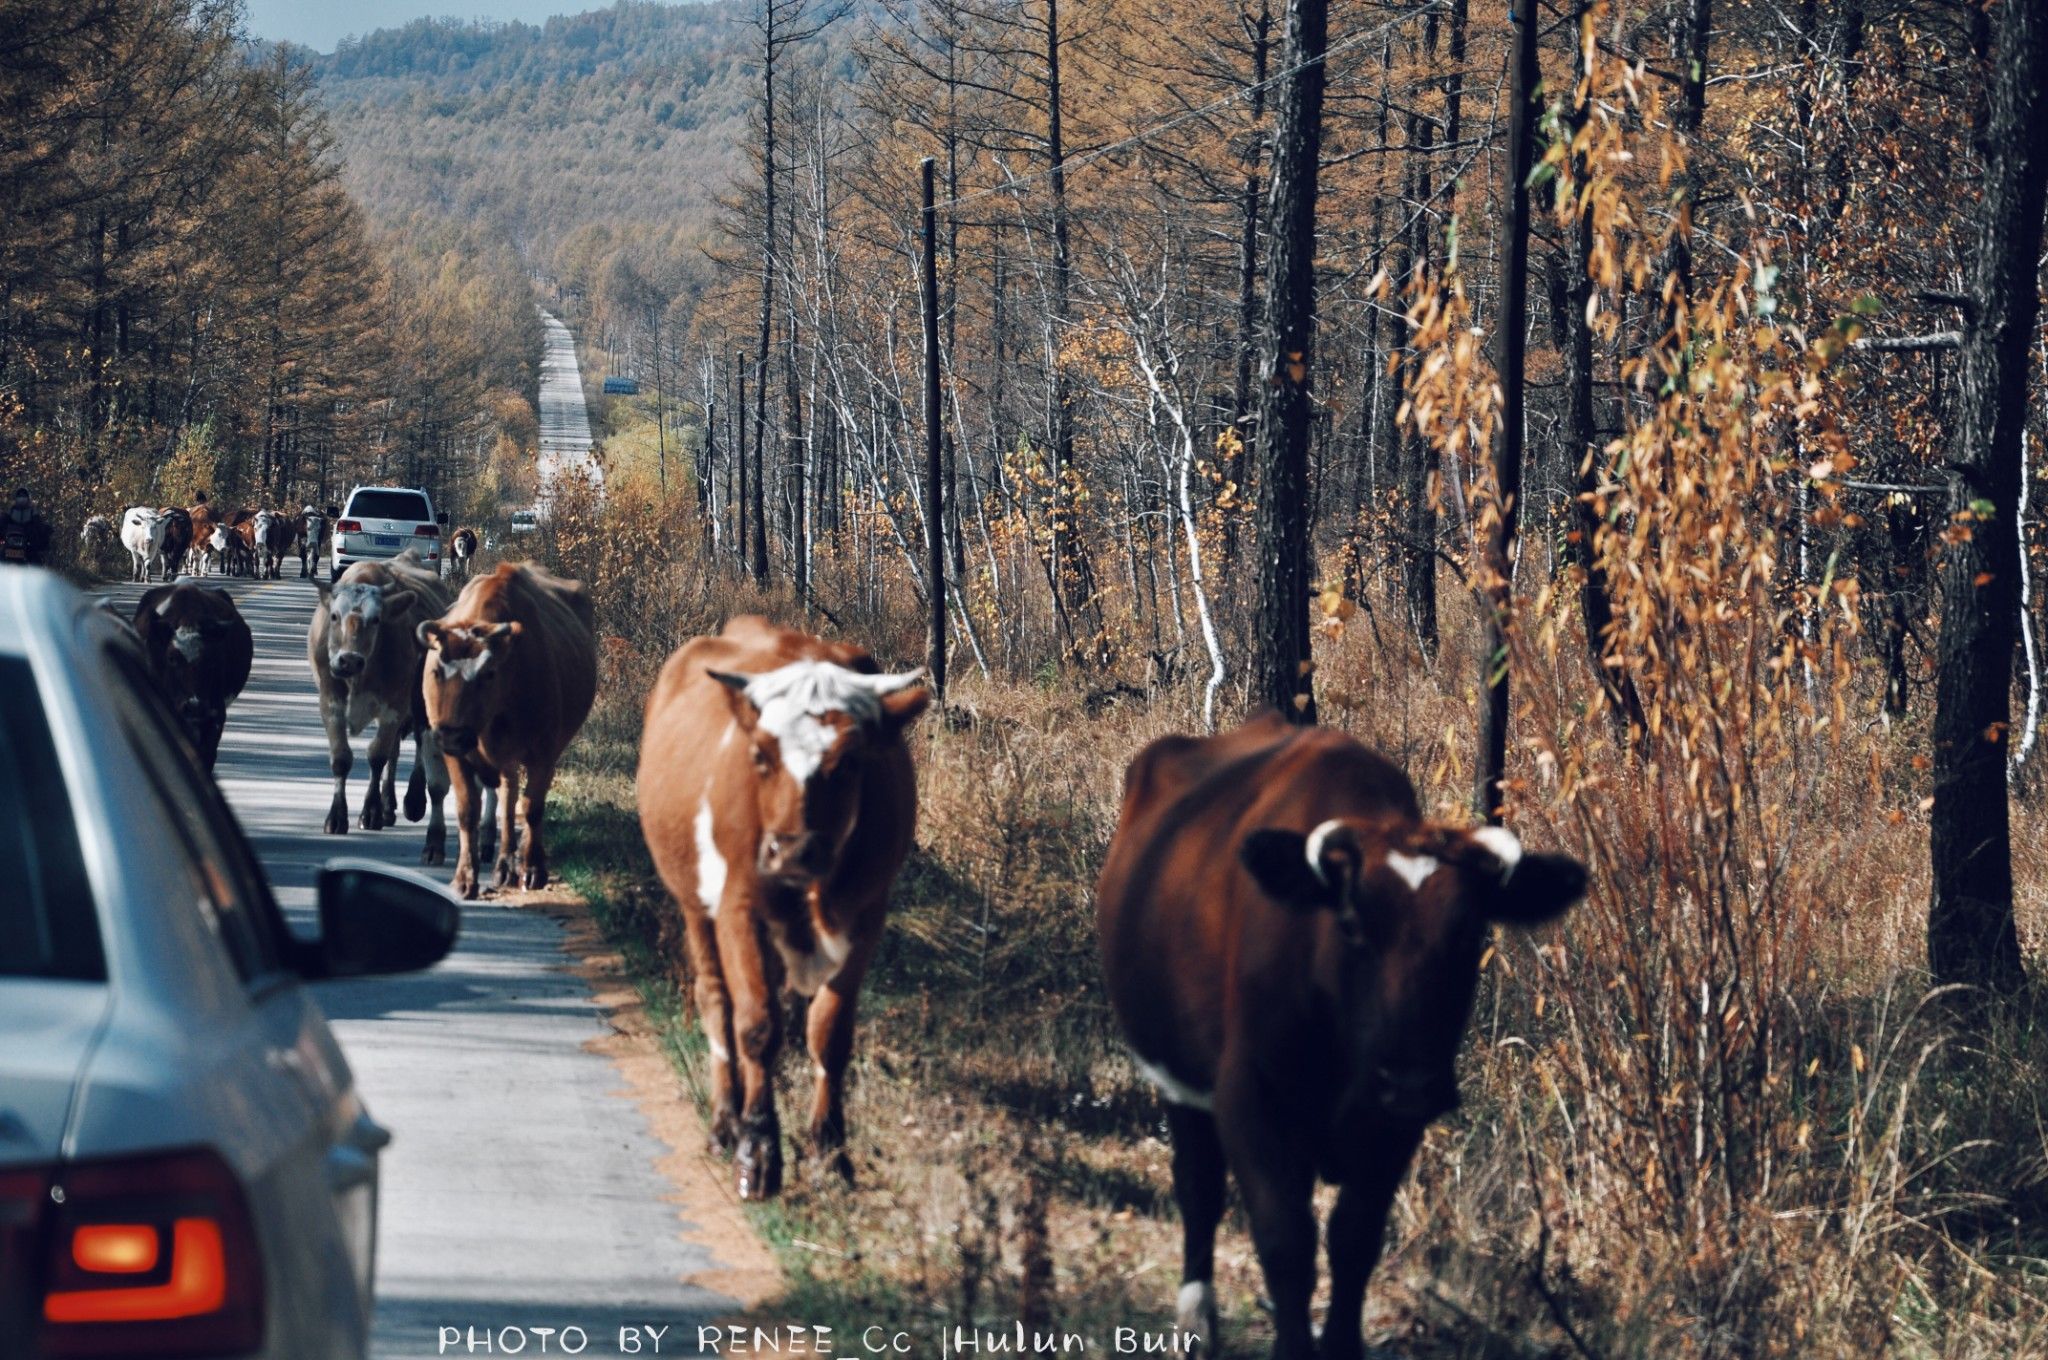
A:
(454, 740)
(802, 857)
(347, 665)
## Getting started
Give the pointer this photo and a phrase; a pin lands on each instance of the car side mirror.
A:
(441, 518)
(378, 919)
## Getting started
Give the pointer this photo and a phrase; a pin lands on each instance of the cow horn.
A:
(1503, 845)
(428, 633)
(503, 630)
(882, 685)
(730, 680)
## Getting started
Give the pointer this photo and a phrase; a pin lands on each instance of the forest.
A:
(1629, 430)
(191, 300)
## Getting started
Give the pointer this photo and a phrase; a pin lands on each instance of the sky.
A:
(320, 24)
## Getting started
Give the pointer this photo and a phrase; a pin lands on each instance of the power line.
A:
(1190, 115)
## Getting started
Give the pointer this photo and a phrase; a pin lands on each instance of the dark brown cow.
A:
(778, 800)
(461, 553)
(199, 650)
(177, 538)
(511, 672)
(1292, 952)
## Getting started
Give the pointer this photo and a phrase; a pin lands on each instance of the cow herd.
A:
(1290, 946)
(200, 540)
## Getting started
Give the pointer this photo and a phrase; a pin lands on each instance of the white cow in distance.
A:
(142, 534)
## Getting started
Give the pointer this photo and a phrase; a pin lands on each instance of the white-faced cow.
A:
(1292, 952)
(274, 536)
(366, 661)
(142, 534)
(778, 799)
(461, 553)
(511, 672)
(200, 650)
(312, 534)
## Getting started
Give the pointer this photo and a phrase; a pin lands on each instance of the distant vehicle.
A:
(186, 1167)
(525, 521)
(380, 522)
(622, 387)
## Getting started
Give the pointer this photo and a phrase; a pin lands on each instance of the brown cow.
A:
(1292, 952)
(199, 651)
(366, 663)
(511, 672)
(778, 800)
(203, 552)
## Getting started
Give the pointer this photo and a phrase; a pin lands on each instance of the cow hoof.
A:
(536, 877)
(760, 1167)
(415, 804)
(337, 821)
(434, 852)
(371, 819)
(508, 874)
(725, 1133)
(1194, 1315)
(464, 885)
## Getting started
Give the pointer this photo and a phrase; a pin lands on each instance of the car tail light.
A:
(150, 1256)
(348, 526)
(427, 531)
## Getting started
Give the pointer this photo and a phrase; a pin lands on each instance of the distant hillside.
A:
(634, 113)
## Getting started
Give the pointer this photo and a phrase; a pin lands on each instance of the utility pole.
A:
(740, 541)
(1509, 353)
(934, 467)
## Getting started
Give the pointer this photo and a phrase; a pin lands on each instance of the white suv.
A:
(381, 522)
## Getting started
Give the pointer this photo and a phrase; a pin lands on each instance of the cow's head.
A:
(1411, 906)
(464, 664)
(190, 670)
(808, 728)
(356, 612)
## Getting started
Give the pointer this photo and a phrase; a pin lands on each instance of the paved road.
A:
(564, 423)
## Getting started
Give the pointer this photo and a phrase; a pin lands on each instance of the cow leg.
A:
(466, 807)
(714, 1012)
(340, 758)
(416, 783)
(1358, 1228)
(757, 1034)
(488, 848)
(1278, 1180)
(533, 807)
(508, 827)
(1198, 1174)
(830, 1027)
(427, 752)
(378, 810)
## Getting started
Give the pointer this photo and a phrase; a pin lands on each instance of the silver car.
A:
(185, 1167)
(380, 522)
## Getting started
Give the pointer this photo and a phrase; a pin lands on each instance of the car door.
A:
(316, 1200)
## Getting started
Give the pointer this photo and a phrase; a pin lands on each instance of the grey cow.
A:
(367, 663)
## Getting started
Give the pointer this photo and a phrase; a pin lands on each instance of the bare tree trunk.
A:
(1971, 937)
(1283, 666)
(1510, 333)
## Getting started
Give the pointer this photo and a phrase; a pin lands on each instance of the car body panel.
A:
(51, 1024)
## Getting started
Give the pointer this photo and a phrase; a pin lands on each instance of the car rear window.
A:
(389, 505)
(48, 927)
